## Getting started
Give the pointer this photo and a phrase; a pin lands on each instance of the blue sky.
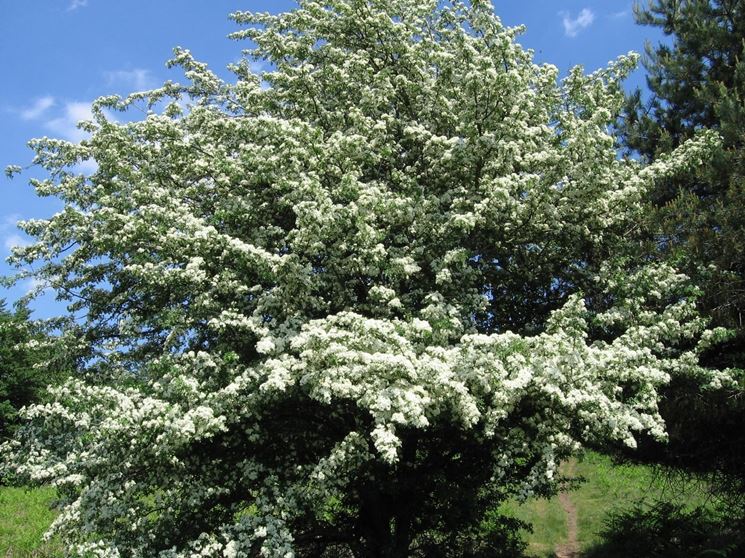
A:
(59, 55)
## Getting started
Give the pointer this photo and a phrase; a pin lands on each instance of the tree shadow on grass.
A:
(667, 530)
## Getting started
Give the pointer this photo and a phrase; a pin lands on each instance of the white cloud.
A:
(40, 106)
(75, 4)
(88, 167)
(259, 66)
(14, 240)
(66, 125)
(572, 26)
(33, 284)
(131, 80)
(619, 15)
(9, 232)
(9, 221)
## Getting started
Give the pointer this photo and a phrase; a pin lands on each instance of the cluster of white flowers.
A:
(302, 284)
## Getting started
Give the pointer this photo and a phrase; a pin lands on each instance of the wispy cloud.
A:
(259, 66)
(34, 284)
(66, 125)
(572, 26)
(61, 121)
(9, 222)
(39, 107)
(9, 232)
(14, 240)
(619, 15)
(75, 4)
(89, 166)
(137, 79)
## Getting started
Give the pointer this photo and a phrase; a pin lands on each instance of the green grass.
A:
(547, 520)
(24, 516)
(25, 513)
(611, 486)
(608, 487)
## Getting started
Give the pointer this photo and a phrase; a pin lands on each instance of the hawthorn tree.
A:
(346, 306)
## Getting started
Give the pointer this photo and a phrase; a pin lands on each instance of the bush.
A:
(667, 530)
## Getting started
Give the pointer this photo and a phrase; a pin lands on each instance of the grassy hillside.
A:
(608, 487)
(25, 514)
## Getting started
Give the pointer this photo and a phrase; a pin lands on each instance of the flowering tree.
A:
(342, 307)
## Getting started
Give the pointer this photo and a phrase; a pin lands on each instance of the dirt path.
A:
(570, 549)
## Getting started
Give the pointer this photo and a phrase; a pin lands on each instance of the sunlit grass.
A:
(24, 516)
(609, 486)
(25, 513)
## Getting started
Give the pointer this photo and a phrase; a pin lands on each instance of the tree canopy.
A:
(16, 386)
(696, 219)
(23, 373)
(343, 306)
(698, 81)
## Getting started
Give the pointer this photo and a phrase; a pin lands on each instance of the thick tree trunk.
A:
(387, 511)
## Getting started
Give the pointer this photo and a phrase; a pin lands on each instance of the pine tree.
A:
(698, 220)
(698, 82)
(21, 381)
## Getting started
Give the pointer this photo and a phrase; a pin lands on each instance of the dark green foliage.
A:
(706, 438)
(668, 530)
(21, 382)
(698, 221)
(697, 82)
(497, 537)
